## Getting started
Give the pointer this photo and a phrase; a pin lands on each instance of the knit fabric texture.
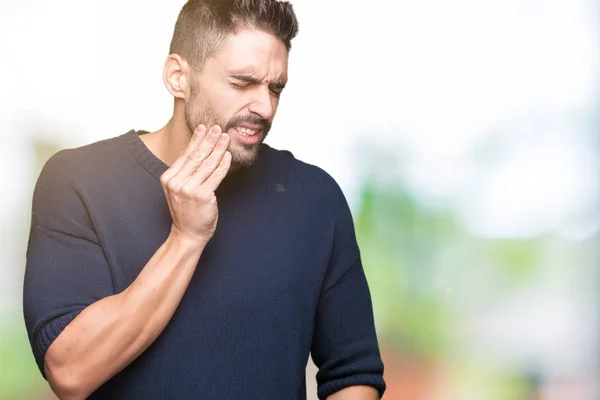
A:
(280, 280)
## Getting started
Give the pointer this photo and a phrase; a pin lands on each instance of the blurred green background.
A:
(466, 136)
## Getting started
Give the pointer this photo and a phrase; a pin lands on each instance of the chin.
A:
(243, 157)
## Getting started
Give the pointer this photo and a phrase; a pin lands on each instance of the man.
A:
(160, 267)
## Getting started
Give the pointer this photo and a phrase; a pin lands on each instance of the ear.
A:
(176, 76)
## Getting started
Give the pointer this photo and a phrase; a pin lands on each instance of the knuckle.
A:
(172, 186)
(186, 152)
(186, 191)
(164, 179)
(195, 153)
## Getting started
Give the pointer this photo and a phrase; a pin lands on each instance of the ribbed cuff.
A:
(48, 334)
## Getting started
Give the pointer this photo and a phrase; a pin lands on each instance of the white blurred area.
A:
(490, 106)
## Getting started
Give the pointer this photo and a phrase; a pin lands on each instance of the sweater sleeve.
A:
(345, 347)
(65, 269)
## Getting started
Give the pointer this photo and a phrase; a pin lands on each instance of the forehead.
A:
(252, 51)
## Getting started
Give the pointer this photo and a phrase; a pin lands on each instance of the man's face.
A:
(239, 90)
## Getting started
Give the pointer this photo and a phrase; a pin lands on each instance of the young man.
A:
(197, 262)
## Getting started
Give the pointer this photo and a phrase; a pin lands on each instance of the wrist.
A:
(185, 243)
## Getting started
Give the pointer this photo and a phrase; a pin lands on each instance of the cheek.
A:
(233, 102)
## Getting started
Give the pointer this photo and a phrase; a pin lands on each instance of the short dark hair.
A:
(203, 25)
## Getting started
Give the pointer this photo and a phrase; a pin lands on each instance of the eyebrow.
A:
(279, 84)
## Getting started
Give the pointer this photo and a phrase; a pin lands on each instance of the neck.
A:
(168, 142)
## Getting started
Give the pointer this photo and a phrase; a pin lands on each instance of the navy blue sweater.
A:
(280, 280)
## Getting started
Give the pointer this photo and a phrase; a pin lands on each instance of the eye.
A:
(240, 85)
(276, 91)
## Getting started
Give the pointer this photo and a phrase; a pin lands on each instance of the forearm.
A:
(109, 334)
(355, 393)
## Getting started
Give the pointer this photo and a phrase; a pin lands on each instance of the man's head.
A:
(228, 65)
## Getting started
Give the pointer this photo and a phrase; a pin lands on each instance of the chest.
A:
(266, 250)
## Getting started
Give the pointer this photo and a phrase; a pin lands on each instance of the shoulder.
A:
(82, 165)
(314, 180)
(80, 162)
(67, 176)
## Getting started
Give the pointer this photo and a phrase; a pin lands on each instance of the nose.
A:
(263, 103)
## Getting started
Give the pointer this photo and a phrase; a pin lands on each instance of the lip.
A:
(248, 126)
(254, 139)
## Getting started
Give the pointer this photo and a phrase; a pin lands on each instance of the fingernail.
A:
(215, 130)
(200, 129)
(223, 138)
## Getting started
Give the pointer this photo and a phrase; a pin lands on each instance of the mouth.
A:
(248, 134)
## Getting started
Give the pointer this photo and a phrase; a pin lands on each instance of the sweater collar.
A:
(156, 167)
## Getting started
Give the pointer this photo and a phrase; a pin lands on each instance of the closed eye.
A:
(246, 81)
(276, 90)
(240, 85)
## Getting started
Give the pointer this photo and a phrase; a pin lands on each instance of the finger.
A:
(212, 182)
(211, 163)
(197, 156)
(196, 139)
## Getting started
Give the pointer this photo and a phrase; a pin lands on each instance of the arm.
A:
(109, 334)
(345, 347)
(355, 393)
(82, 333)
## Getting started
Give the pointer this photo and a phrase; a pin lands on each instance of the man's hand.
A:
(355, 393)
(190, 184)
